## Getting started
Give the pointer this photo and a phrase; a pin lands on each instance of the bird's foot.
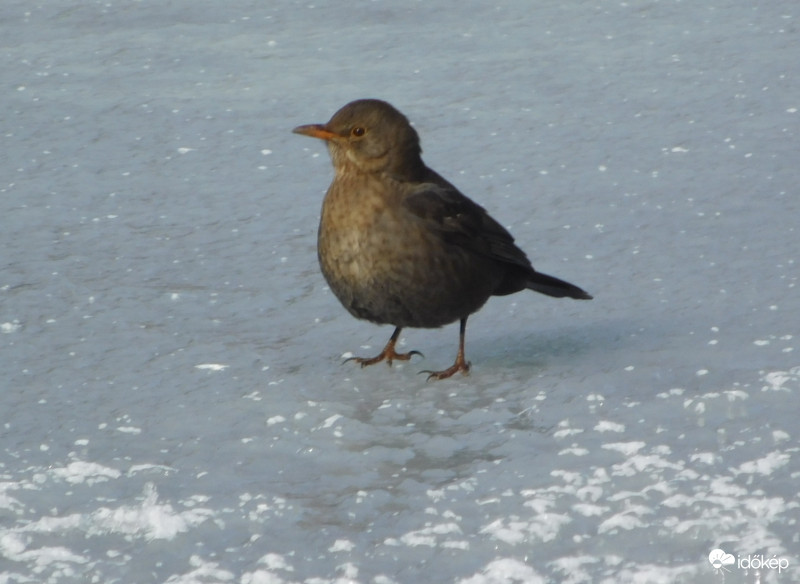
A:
(460, 365)
(388, 354)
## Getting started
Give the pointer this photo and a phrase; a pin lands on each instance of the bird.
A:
(400, 245)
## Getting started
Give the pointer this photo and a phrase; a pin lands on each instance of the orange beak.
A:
(316, 131)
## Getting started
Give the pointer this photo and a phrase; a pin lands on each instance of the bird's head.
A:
(371, 136)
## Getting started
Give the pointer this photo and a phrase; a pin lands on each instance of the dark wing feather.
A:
(460, 221)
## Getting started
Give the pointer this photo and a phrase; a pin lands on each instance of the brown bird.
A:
(400, 245)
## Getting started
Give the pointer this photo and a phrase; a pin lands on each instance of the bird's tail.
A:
(555, 287)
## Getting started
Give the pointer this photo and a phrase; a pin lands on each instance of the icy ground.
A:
(173, 407)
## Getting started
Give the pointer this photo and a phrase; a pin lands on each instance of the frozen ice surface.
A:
(173, 406)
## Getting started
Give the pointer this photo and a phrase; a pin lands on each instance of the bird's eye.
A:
(357, 132)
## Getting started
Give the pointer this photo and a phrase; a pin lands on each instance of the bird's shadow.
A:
(561, 344)
(593, 345)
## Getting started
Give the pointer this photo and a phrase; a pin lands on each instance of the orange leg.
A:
(388, 354)
(461, 363)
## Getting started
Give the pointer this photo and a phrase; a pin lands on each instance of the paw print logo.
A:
(719, 559)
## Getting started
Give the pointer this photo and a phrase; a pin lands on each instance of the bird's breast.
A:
(355, 228)
(387, 265)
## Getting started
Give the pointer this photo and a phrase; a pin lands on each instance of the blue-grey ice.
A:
(173, 406)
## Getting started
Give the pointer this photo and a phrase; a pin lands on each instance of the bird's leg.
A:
(388, 354)
(461, 363)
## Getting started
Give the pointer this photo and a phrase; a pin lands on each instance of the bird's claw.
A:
(387, 355)
(459, 365)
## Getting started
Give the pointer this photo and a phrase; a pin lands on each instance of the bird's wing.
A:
(461, 221)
